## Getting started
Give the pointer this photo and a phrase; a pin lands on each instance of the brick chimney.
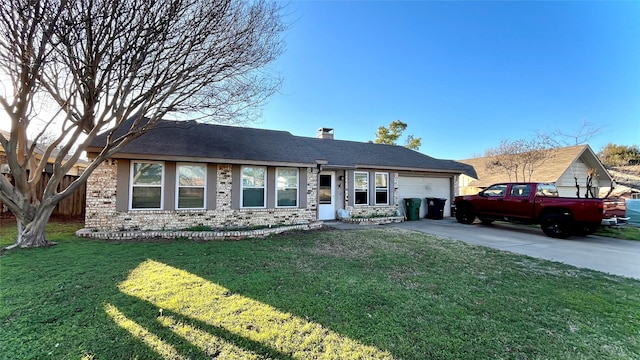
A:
(325, 133)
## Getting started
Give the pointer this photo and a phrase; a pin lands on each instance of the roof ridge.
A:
(546, 150)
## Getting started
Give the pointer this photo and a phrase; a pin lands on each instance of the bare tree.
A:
(518, 158)
(590, 190)
(556, 138)
(504, 158)
(102, 62)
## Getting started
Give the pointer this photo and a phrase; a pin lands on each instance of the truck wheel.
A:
(556, 226)
(486, 221)
(464, 214)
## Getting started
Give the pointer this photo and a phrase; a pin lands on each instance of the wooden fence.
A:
(72, 206)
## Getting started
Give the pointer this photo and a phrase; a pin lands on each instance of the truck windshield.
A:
(549, 190)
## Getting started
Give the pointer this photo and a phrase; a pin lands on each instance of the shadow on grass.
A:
(173, 336)
(238, 317)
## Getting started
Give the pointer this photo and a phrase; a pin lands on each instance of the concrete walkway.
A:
(613, 256)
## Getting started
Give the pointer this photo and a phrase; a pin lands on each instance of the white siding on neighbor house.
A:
(464, 186)
(423, 187)
(567, 183)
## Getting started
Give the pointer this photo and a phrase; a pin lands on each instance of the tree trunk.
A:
(31, 232)
(611, 188)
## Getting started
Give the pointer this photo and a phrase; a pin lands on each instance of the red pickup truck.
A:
(532, 203)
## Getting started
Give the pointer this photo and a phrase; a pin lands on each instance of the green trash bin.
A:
(412, 208)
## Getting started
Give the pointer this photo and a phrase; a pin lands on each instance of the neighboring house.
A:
(185, 174)
(78, 168)
(627, 180)
(73, 205)
(562, 166)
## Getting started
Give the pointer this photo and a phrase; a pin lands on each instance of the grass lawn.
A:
(622, 232)
(335, 294)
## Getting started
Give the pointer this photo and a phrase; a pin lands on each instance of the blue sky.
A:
(462, 75)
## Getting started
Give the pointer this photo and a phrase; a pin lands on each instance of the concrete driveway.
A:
(613, 256)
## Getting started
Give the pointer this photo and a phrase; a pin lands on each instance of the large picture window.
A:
(361, 188)
(146, 185)
(286, 187)
(191, 180)
(253, 187)
(382, 188)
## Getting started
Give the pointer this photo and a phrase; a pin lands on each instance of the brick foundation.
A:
(193, 235)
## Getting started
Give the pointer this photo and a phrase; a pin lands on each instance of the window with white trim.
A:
(146, 185)
(286, 187)
(382, 188)
(191, 180)
(361, 188)
(253, 193)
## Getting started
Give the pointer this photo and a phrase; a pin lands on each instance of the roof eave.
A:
(134, 156)
(408, 169)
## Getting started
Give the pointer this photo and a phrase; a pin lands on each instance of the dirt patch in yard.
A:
(342, 250)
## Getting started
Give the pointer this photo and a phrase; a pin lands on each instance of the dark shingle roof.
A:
(180, 139)
(41, 149)
(361, 154)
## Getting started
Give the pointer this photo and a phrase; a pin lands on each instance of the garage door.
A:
(424, 187)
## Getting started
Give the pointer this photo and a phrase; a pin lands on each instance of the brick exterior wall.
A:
(101, 196)
(102, 214)
(375, 210)
(372, 211)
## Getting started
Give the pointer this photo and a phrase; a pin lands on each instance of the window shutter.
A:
(122, 185)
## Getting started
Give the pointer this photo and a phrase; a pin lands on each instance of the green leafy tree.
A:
(390, 135)
(619, 155)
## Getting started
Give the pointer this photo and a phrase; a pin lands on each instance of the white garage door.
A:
(424, 187)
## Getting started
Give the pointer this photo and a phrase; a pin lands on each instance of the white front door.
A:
(327, 195)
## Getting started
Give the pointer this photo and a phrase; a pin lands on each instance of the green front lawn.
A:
(623, 232)
(379, 293)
